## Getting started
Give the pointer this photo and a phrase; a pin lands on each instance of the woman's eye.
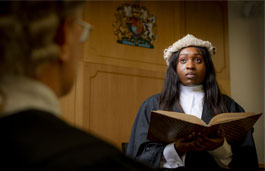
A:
(183, 61)
(198, 60)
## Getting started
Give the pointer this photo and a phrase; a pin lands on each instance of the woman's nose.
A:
(190, 65)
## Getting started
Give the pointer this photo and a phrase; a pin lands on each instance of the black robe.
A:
(36, 140)
(244, 153)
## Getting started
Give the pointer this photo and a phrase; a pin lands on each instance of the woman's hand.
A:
(199, 142)
(209, 143)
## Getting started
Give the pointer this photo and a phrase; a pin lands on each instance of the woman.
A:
(191, 87)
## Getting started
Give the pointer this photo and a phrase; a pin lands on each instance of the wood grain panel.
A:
(113, 98)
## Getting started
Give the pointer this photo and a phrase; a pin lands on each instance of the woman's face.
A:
(191, 66)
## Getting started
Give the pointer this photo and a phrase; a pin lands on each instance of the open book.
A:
(166, 126)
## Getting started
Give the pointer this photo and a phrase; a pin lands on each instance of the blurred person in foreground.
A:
(41, 44)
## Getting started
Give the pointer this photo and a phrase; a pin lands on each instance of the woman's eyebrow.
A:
(195, 54)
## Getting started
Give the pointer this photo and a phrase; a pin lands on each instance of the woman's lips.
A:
(190, 75)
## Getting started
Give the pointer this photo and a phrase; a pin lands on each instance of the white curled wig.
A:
(28, 30)
(186, 41)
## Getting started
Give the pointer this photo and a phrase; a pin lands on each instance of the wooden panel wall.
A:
(114, 79)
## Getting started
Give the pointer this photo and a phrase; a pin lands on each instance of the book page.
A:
(167, 129)
(237, 130)
(182, 116)
(228, 117)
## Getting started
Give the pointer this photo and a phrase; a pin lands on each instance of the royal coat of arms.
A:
(135, 26)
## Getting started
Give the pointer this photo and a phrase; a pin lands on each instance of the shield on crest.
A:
(136, 27)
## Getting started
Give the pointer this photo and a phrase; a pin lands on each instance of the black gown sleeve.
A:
(139, 147)
(244, 152)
